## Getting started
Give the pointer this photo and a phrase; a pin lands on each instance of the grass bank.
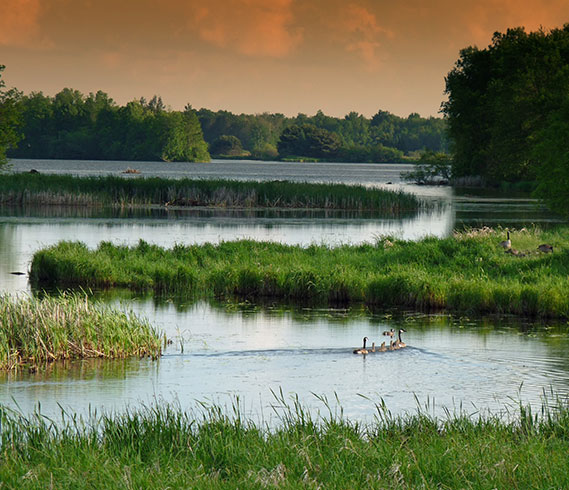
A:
(466, 272)
(164, 447)
(38, 331)
(25, 188)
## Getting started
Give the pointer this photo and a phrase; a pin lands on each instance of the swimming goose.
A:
(382, 347)
(363, 350)
(372, 347)
(399, 343)
(392, 345)
(506, 243)
(389, 333)
(545, 248)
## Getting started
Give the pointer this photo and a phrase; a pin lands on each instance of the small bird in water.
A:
(507, 244)
(382, 347)
(545, 248)
(363, 350)
(389, 333)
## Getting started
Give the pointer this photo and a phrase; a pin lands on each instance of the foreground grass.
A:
(34, 332)
(164, 447)
(24, 188)
(467, 272)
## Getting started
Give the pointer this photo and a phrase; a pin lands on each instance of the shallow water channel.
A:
(221, 351)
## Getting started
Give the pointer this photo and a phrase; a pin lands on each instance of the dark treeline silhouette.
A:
(382, 138)
(72, 125)
(77, 126)
(508, 111)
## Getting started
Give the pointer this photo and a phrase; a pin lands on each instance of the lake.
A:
(221, 351)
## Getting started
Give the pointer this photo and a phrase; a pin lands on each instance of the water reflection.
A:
(227, 349)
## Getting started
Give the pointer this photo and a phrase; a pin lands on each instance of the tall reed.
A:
(36, 331)
(119, 191)
(466, 272)
(162, 446)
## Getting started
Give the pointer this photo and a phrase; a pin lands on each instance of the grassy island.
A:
(37, 331)
(468, 272)
(164, 447)
(24, 189)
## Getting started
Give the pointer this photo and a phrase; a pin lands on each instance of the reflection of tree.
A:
(8, 249)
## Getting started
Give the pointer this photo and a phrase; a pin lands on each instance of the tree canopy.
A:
(505, 106)
(72, 125)
(9, 119)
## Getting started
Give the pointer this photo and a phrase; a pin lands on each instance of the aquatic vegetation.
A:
(119, 191)
(37, 331)
(466, 272)
(162, 446)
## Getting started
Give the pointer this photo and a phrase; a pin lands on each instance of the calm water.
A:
(220, 351)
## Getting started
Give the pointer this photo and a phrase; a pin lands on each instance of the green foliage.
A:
(501, 100)
(383, 138)
(25, 188)
(162, 446)
(71, 125)
(38, 331)
(9, 119)
(432, 168)
(226, 145)
(468, 272)
(552, 153)
(308, 140)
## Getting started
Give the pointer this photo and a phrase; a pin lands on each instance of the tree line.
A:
(353, 138)
(71, 125)
(508, 112)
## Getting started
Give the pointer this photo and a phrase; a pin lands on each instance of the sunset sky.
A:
(254, 56)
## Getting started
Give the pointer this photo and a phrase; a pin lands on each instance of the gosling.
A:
(372, 347)
(507, 244)
(545, 248)
(382, 347)
(363, 350)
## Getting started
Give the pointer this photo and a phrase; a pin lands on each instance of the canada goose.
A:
(372, 347)
(389, 333)
(392, 345)
(399, 343)
(363, 350)
(507, 244)
(545, 248)
(513, 251)
(382, 347)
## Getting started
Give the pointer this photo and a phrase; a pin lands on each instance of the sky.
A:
(254, 56)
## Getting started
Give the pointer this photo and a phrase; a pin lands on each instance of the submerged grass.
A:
(163, 447)
(466, 272)
(118, 191)
(37, 331)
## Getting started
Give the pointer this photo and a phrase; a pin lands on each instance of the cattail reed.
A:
(37, 331)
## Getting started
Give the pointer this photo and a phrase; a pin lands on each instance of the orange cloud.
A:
(363, 34)
(250, 27)
(19, 23)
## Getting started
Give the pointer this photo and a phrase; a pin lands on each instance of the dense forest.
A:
(508, 112)
(77, 126)
(72, 125)
(353, 138)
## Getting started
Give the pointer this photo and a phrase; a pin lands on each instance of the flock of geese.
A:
(507, 246)
(393, 344)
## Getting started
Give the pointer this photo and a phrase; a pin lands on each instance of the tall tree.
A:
(9, 119)
(501, 98)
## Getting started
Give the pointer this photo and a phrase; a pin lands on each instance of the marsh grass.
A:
(162, 446)
(69, 190)
(37, 331)
(467, 272)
